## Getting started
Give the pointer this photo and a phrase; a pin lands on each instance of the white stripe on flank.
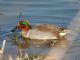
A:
(28, 33)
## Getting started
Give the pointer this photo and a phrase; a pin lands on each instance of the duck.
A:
(42, 35)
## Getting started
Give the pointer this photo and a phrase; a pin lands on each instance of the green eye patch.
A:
(23, 23)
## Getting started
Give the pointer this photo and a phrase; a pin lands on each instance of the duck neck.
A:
(25, 33)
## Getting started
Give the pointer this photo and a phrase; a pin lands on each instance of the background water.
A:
(59, 12)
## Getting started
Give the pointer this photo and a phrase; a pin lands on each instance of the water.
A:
(59, 12)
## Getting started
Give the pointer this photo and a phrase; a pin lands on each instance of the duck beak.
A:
(14, 29)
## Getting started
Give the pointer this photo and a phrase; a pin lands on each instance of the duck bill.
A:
(14, 29)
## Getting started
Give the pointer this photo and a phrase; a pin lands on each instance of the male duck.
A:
(42, 34)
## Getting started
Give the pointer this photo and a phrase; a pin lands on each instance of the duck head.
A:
(23, 25)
